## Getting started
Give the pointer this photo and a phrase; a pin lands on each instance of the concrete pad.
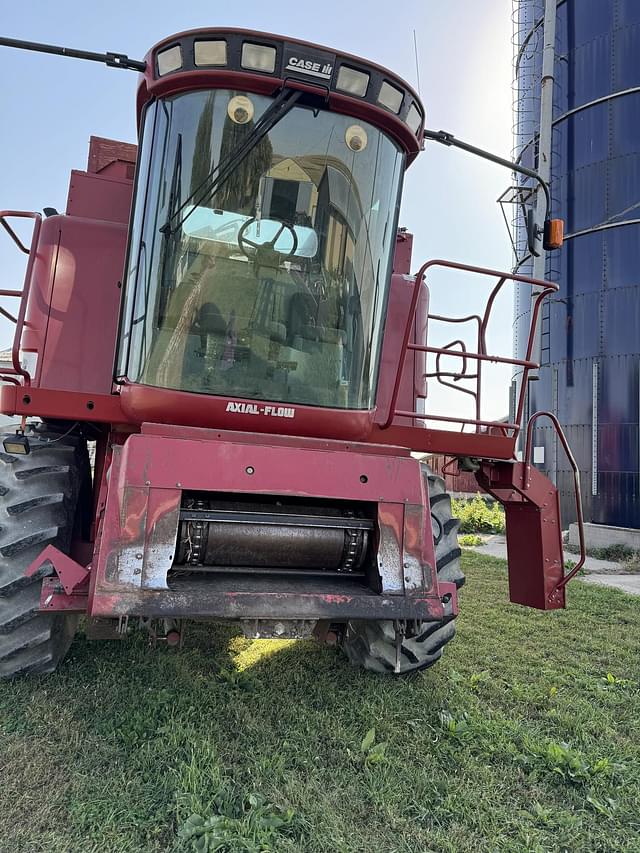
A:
(603, 572)
(627, 583)
(604, 535)
(495, 546)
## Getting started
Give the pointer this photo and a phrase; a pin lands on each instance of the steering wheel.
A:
(265, 254)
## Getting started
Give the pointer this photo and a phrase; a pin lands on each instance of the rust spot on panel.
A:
(389, 556)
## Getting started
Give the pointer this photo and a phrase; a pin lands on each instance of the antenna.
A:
(415, 50)
(114, 60)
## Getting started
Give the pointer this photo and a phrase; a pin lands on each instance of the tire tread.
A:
(371, 645)
(38, 502)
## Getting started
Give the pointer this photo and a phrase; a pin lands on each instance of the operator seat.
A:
(208, 321)
(300, 317)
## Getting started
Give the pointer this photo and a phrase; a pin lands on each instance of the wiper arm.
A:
(208, 187)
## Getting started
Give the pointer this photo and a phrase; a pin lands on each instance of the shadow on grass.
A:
(219, 669)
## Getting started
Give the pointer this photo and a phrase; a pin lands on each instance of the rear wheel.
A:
(373, 646)
(40, 495)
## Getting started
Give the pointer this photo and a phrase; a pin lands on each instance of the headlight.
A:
(390, 97)
(352, 82)
(413, 119)
(210, 52)
(169, 60)
(16, 445)
(258, 57)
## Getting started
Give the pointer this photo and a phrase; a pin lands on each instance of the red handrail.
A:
(526, 482)
(481, 356)
(9, 229)
(23, 294)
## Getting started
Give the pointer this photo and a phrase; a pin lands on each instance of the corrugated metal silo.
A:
(590, 333)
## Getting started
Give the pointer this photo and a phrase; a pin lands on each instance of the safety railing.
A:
(458, 349)
(10, 374)
(526, 482)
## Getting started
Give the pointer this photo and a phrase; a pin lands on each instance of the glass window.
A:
(272, 284)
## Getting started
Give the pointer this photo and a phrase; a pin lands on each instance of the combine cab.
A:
(226, 316)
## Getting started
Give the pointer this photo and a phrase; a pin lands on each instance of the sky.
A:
(50, 106)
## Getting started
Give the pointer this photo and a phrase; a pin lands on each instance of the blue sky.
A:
(51, 105)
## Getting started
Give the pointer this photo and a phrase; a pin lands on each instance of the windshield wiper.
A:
(208, 187)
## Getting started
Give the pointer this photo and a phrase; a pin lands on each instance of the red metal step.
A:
(534, 532)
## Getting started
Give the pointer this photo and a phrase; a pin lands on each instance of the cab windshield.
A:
(273, 286)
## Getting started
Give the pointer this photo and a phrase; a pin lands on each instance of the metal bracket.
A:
(72, 575)
(53, 597)
(400, 629)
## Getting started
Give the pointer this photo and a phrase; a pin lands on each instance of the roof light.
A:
(390, 97)
(169, 60)
(413, 119)
(353, 82)
(258, 57)
(210, 52)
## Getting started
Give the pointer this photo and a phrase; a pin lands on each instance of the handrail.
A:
(473, 422)
(440, 374)
(463, 374)
(9, 229)
(545, 288)
(18, 369)
(8, 315)
(526, 482)
(498, 359)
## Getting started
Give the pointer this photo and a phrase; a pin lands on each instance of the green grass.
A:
(523, 738)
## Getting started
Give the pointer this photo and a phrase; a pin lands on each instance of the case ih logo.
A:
(308, 66)
(311, 63)
(254, 409)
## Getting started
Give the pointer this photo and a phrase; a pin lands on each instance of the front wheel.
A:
(40, 504)
(374, 645)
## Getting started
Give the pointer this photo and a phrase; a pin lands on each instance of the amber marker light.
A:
(553, 234)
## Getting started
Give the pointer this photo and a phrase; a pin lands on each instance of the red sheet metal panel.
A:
(104, 153)
(534, 535)
(102, 197)
(149, 473)
(84, 300)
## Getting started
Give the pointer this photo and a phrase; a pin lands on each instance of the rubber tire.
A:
(372, 645)
(40, 495)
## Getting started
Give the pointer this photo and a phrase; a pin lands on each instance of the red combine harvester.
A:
(226, 312)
